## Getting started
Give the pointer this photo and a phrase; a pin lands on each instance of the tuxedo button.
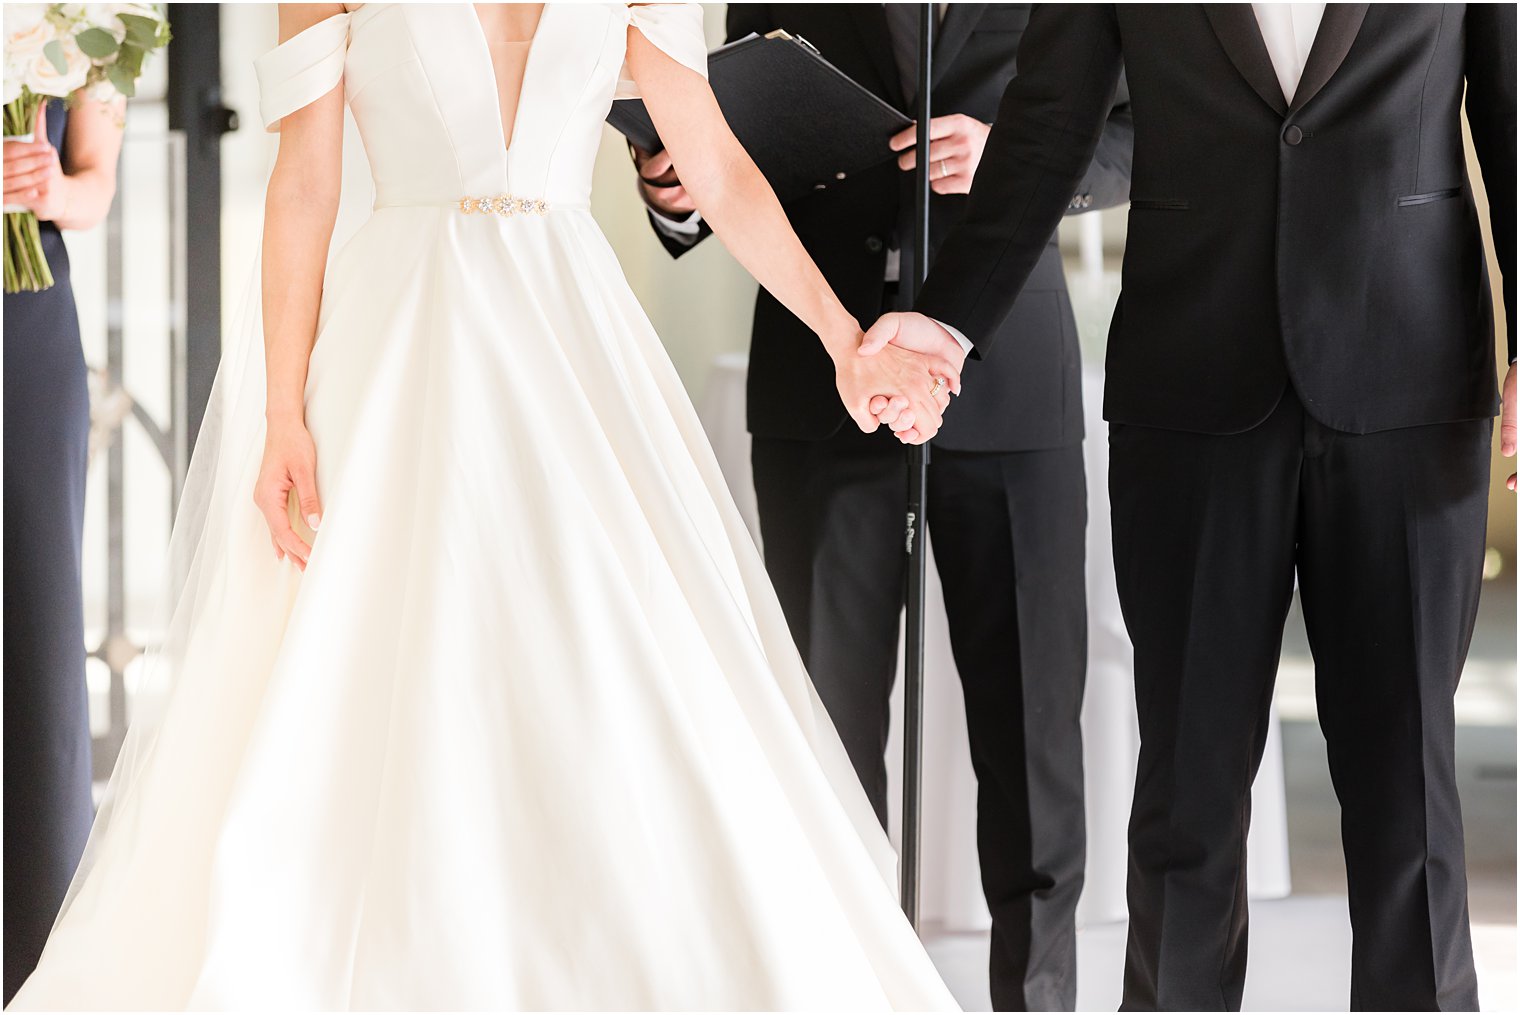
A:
(874, 244)
(1294, 134)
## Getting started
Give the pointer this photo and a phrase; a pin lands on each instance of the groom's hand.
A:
(1508, 437)
(916, 333)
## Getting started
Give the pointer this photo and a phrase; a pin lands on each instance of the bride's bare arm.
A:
(737, 202)
(301, 206)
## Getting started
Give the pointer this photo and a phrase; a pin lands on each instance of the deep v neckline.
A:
(522, 88)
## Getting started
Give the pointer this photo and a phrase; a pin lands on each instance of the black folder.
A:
(804, 122)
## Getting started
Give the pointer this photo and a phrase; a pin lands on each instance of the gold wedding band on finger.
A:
(939, 385)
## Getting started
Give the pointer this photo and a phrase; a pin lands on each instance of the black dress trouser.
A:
(1385, 534)
(1008, 532)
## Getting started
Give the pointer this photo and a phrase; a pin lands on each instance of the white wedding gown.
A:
(530, 730)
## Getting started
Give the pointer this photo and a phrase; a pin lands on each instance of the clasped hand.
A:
(901, 376)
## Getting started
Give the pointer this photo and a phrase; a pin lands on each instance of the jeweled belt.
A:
(505, 205)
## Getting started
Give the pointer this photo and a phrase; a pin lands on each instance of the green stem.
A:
(10, 269)
(21, 113)
(26, 266)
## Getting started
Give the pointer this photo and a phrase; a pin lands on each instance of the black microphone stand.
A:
(918, 486)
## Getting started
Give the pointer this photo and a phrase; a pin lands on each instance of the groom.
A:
(1300, 385)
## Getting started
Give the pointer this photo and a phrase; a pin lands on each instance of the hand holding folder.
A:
(804, 122)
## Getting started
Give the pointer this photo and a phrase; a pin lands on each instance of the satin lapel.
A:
(1239, 35)
(876, 40)
(1337, 31)
(954, 30)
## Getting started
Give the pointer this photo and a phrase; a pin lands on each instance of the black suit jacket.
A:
(1027, 397)
(1332, 241)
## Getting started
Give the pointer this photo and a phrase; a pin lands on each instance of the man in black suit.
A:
(1300, 382)
(1007, 505)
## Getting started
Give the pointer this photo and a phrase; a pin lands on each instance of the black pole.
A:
(195, 107)
(918, 486)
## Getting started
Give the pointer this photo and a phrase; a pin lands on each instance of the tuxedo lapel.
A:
(1337, 31)
(954, 30)
(1240, 36)
(871, 24)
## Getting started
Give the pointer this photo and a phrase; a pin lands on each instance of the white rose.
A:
(27, 41)
(104, 16)
(43, 78)
(102, 91)
(15, 78)
(19, 16)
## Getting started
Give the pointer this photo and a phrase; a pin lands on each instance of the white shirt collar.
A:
(1289, 31)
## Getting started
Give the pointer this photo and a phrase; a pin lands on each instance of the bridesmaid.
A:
(67, 177)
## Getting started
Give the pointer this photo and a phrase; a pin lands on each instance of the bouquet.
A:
(55, 51)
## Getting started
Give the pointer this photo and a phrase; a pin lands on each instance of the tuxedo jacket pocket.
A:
(1410, 200)
(1157, 204)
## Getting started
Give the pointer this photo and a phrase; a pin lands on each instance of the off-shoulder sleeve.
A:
(676, 30)
(301, 69)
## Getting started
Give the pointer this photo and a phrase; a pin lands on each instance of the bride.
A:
(505, 715)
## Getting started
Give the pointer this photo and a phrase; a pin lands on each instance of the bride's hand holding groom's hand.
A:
(719, 178)
(906, 378)
(918, 335)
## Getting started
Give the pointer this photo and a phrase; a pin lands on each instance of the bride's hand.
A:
(894, 371)
(290, 462)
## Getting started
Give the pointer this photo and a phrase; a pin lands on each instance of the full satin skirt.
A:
(529, 732)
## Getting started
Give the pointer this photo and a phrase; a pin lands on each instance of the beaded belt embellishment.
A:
(504, 205)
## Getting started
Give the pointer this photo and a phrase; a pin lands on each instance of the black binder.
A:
(804, 122)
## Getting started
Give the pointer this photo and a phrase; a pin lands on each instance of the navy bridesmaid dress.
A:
(47, 736)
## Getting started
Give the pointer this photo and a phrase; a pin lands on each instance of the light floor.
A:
(1300, 954)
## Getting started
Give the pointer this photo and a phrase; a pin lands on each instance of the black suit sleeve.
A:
(1491, 115)
(742, 20)
(1048, 126)
(1106, 184)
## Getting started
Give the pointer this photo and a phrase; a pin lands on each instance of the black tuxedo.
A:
(1007, 501)
(1266, 242)
(1300, 381)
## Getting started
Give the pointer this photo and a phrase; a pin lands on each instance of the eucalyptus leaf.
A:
(97, 43)
(123, 81)
(54, 52)
(131, 58)
(142, 31)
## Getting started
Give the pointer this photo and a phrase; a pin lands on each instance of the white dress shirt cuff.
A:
(955, 333)
(682, 230)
